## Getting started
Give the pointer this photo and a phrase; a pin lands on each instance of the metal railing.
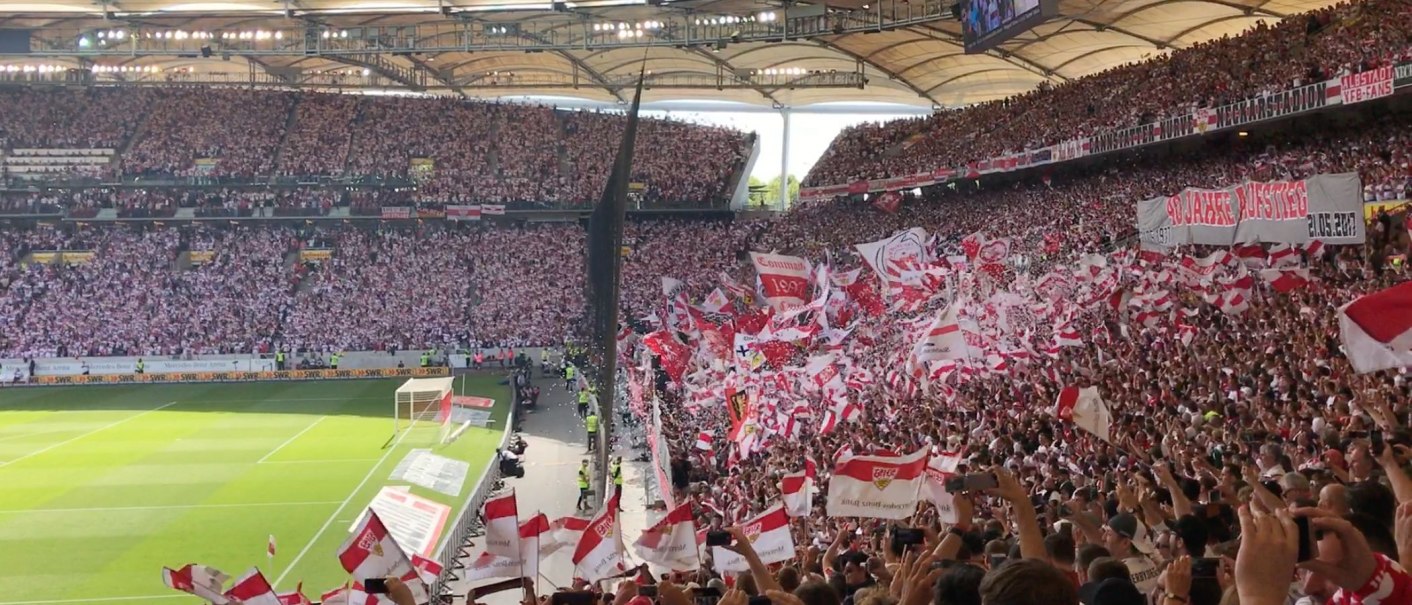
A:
(469, 524)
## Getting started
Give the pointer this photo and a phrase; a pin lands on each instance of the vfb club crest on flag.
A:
(883, 476)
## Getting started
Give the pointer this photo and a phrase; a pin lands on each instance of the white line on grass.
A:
(164, 507)
(328, 461)
(97, 600)
(290, 440)
(291, 565)
(97, 430)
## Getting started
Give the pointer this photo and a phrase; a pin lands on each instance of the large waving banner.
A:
(784, 280)
(1325, 207)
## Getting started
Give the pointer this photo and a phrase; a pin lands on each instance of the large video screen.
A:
(987, 23)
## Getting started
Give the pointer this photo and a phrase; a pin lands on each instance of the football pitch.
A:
(100, 486)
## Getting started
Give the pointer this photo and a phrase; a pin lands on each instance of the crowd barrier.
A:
(468, 523)
(180, 377)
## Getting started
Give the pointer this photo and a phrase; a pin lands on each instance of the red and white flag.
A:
(1086, 409)
(371, 552)
(769, 535)
(489, 565)
(879, 487)
(564, 531)
(939, 468)
(671, 543)
(427, 569)
(943, 338)
(270, 547)
(784, 280)
(599, 554)
(703, 441)
(502, 523)
(253, 589)
(200, 580)
(350, 596)
(296, 597)
(798, 490)
(1286, 280)
(1377, 329)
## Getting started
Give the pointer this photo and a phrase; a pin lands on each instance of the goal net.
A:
(423, 402)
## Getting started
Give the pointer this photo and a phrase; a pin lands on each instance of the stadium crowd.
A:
(455, 152)
(1341, 39)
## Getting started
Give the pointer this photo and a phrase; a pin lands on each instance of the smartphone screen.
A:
(647, 590)
(375, 586)
(1306, 539)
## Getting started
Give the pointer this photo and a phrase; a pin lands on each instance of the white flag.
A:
(879, 487)
(502, 523)
(1086, 409)
(671, 543)
(943, 338)
(599, 554)
(253, 589)
(769, 535)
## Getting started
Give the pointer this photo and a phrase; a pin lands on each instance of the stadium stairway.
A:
(288, 126)
(561, 151)
(137, 133)
(492, 156)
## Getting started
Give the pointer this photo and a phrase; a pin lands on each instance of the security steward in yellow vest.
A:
(279, 360)
(583, 402)
(583, 486)
(615, 470)
(592, 423)
(426, 359)
(333, 360)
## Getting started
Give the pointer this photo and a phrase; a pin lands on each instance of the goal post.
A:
(421, 400)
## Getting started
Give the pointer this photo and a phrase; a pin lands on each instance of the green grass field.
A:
(101, 486)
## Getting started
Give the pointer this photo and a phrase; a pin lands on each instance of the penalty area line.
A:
(319, 534)
(92, 432)
(103, 509)
(290, 440)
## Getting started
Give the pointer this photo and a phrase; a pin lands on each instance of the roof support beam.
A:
(1011, 57)
(381, 67)
(1091, 53)
(965, 75)
(725, 65)
(926, 61)
(1160, 44)
(1181, 34)
(435, 75)
(885, 71)
(580, 65)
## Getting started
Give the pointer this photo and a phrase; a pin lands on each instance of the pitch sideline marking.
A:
(288, 567)
(164, 507)
(94, 431)
(290, 440)
(97, 599)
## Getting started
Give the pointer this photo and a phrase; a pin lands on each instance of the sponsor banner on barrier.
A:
(315, 255)
(492, 209)
(396, 212)
(1370, 209)
(1325, 207)
(171, 377)
(430, 213)
(78, 258)
(1367, 85)
(463, 213)
(201, 257)
(72, 257)
(99, 365)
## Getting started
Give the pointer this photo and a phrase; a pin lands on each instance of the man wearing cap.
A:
(1127, 539)
(1112, 591)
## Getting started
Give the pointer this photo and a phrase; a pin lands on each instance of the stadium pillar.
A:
(784, 163)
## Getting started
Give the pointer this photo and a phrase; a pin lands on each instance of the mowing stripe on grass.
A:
(103, 509)
(94, 431)
(319, 534)
(98, 599)
(290, 440)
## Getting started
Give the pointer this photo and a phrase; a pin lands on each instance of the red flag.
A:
(1377, 329)
(295, 598)
(672, 353)
(253, 589)
(270, 547)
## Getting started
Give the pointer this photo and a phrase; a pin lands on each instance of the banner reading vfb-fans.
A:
(1325, 207)
(783, 279)
(880, 487)
(769, 535)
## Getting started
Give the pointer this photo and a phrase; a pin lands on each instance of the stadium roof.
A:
(919, 65)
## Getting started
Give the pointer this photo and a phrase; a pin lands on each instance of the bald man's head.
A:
(1334, 498)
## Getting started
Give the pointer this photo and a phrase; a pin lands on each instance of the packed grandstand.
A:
(1230, 403)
